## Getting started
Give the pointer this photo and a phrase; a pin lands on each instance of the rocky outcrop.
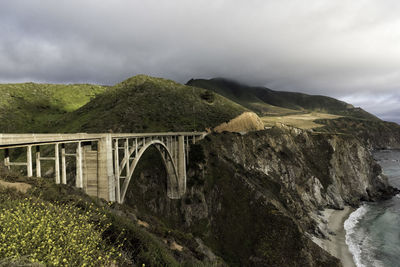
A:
(252, 198)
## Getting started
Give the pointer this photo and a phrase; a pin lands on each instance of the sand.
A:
(337, 246)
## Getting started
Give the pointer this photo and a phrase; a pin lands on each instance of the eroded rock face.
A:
(252, 198)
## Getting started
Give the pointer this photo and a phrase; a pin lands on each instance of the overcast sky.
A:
(346, 49)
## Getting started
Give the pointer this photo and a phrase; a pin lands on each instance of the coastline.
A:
(334, 225)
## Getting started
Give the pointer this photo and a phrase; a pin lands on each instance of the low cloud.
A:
(345, 50)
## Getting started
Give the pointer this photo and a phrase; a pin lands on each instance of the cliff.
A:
(253, 199)
(373, 134)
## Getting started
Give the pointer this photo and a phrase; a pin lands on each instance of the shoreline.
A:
(333, 223)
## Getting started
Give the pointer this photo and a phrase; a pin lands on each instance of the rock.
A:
(21, 187)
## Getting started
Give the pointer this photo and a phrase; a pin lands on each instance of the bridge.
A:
(104, 163)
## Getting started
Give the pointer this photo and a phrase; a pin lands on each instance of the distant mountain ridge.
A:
(265, 101)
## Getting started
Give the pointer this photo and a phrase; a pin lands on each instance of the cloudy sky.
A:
(346, 49)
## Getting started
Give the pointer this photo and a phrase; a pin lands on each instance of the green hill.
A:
(147, 104)
(31, 107)
(267, 102)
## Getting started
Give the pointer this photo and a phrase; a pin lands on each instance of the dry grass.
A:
(22, 187)
(303, 121)
(247, 121)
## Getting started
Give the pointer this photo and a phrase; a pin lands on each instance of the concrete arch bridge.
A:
(105, 163)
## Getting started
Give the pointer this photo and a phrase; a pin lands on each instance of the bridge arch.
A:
(174, 179)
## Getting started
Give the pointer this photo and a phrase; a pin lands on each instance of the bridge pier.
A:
(38, 164)
(63, 165)
(29, 161)
(181, 161)
(105, 182)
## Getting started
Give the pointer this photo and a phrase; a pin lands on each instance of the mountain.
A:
(266, 102)
(147, 104)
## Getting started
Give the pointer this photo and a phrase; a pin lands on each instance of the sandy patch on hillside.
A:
(246, 122)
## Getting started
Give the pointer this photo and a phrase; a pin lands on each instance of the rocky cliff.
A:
(374, 134)
(253, 199)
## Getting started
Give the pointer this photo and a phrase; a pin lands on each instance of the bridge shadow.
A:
(147, 190)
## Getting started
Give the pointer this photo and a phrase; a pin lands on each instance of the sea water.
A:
(373, 230)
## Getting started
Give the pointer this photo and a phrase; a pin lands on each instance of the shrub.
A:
(208, 96)
(53, 234)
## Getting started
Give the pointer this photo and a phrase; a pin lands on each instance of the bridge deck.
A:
(20, 140)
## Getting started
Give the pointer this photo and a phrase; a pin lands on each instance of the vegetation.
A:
(31, 107)
(146, 104)
(376, 134)
(63, 211)
(268, 102)
(303, 121)
(52, 234)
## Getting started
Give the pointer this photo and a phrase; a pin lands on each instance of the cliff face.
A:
(375, 134)
(252, 198)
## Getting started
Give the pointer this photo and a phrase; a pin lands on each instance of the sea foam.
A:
(349, 226)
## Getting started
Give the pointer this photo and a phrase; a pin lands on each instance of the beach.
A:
(336, 246)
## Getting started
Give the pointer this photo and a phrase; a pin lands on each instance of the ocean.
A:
(373, 230)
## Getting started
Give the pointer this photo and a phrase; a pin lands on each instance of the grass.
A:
(267, 102)
(31, 107)
(147, 104)
(242, 95)
(303, 121)
(139, 104)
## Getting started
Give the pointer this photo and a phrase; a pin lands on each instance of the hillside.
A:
(147, 104)
(32, 107)
(267, 102)
(116, 235)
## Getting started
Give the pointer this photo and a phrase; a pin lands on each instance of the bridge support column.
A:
(29, 161)
(105, 182)
(116, 168)
(79, 171)
(90, 168)
(57, 163)
(38, 165)
(63, 165)
(181, 164)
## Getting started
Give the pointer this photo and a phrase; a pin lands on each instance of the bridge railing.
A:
(22, 140)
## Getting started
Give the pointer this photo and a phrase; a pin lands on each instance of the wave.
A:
(359, 242)
(349, 227)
